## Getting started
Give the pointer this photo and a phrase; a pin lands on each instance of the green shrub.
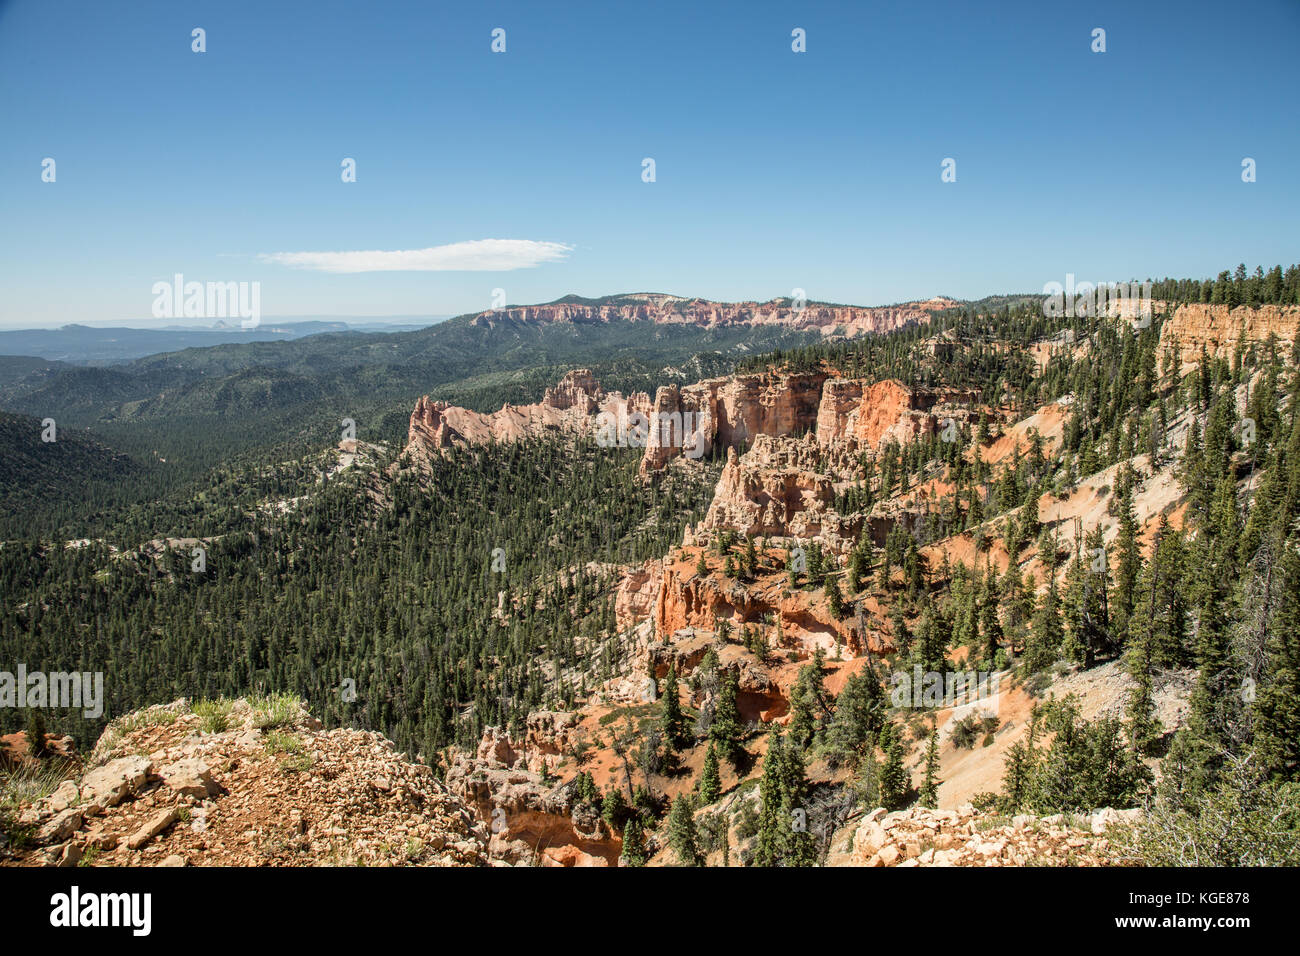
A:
(1244, 821)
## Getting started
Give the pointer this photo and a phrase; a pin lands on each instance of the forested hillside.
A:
(182, 415)
(399, 598)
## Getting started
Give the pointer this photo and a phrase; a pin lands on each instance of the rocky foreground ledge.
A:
(967, 837)
(250, 782)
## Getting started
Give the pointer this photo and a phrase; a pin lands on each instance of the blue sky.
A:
(774, 170)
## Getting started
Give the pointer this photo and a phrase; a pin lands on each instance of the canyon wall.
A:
(1219, 329)
(730, 413)
(567, 407)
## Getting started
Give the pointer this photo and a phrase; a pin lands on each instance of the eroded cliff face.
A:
(892, 411)
(776, 490)
(532, 819)
(1218, 329)
(843, 415)
(789, 620)
(729, 413)
(841, 403)
(675, 310)
(637, 591)
(571, 406)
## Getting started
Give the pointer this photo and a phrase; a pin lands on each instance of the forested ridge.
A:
(400, 597)
(181, 417)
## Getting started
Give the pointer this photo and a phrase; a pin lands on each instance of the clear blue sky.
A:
(775, 170)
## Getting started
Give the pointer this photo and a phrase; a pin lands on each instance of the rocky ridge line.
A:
(255, 786)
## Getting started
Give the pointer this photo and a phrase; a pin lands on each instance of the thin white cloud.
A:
(477, 255)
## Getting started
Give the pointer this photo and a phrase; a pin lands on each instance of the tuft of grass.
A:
(25, 785)
(214, 715)
(992, 822)
(296, 759)
(298, 764)
(275, 710)
(278, 742)
(157, 716)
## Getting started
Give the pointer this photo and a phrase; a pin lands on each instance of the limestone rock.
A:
(108, 785)
(156, 824)
(190, 777)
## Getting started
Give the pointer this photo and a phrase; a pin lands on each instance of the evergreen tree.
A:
(1044, 644)
(1086, 611)
(807, 703)
(1277, 704)
(710, 776)
(681, 832)
(855, 571)
(783, 836)
(859, 717)
(929, 796)
(672, 720)
(1128, 558)
(634, 848)
(1144, 726)
(35, 733)
(725, 729)
(834, 600)
(614, 810)
(895, 784)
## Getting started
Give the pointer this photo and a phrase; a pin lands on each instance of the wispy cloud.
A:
(477, 255)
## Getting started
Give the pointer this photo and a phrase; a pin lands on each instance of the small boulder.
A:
(190, 777)
(60, 827)
(64, 797)
(155, 825)
(108, 785)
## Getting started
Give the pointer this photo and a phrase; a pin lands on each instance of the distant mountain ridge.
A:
(109, 345)
(663, 309)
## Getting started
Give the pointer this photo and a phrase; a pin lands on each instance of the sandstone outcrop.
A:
(840, 406)
(892, 411)
(730, 413)
(841, 414)
(532, 818)
(1218, 329)
(637, 591)
(568, 407)
(777, 490)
